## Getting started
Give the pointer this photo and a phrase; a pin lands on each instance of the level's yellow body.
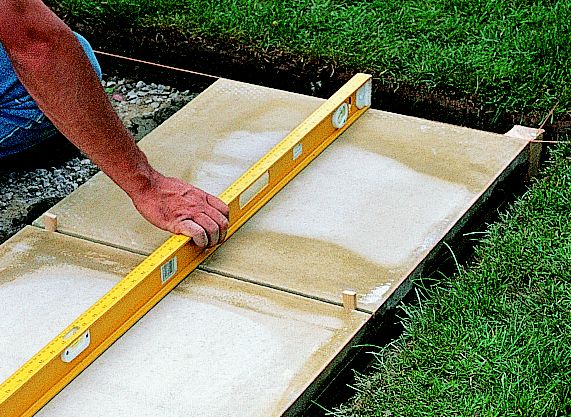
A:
(51, 369)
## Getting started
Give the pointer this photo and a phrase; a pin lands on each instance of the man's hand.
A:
(180, 208)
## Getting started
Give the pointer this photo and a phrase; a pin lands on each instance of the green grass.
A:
(494, 340)
(513, 55)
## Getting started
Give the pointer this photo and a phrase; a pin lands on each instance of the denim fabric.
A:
(22, 123)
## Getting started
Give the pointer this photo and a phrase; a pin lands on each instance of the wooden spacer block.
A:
(535, 148)
(50, 222)
(349, 300)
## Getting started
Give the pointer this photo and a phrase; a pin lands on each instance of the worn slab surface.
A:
(359, 217)
(213, 347)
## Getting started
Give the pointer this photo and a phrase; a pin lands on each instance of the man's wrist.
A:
(132, 173)
(141, 181)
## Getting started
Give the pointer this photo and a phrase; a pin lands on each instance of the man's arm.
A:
(52, 66)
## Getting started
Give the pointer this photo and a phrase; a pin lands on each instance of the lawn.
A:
(494, 339)
(513, 55)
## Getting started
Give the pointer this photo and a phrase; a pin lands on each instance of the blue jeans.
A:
(22, 123)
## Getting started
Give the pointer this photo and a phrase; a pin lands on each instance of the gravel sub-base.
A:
(26, 192)
(142, 107)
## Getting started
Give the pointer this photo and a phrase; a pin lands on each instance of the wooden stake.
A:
(349, 300)
(50, 222)
(535, 147)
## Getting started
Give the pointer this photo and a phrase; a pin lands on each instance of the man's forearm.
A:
(51, 64)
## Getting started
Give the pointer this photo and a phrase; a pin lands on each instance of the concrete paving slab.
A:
(362, 216)
(213, 347)
(210, 142)
(365, 213)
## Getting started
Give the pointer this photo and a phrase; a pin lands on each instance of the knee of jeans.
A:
(90, 54)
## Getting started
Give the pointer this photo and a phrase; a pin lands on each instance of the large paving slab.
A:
(362, 216)
(213, 347)
(210, 142)
(368, 211)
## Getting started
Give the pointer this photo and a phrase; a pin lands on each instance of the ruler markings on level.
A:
(62, 359)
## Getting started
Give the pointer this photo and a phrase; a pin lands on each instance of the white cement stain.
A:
(364, 202)
(12, 253)
(20, 247)
(376, 295)
(232, 157)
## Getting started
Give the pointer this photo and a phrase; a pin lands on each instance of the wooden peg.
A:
(50, 222)
(349, 300)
